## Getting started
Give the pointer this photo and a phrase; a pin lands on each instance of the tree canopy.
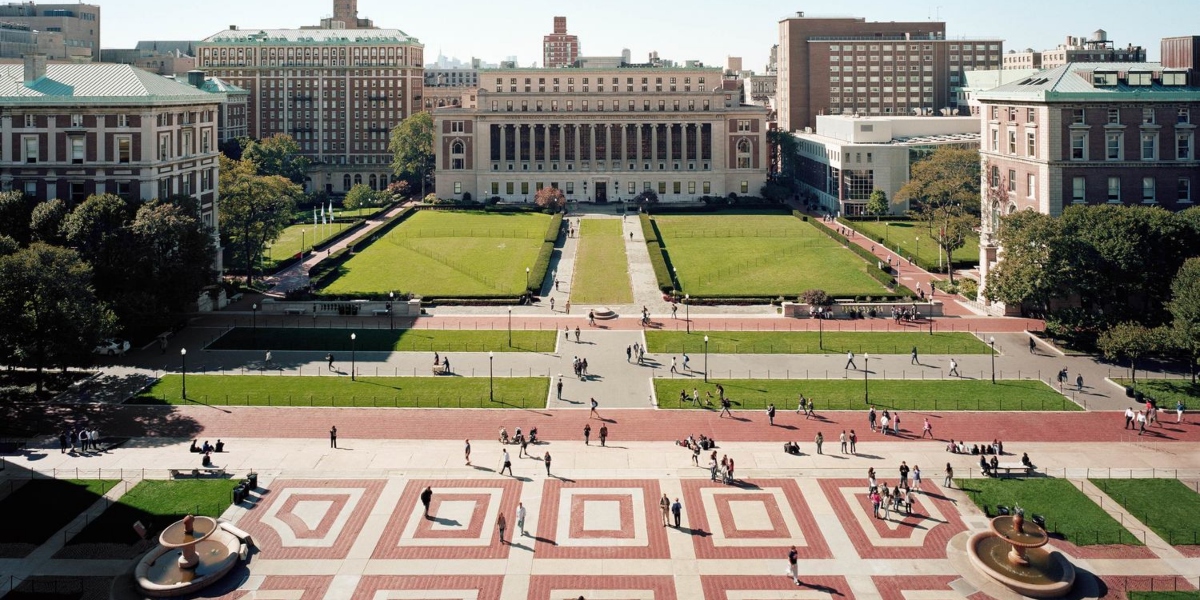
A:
(947, 176)
(278, 155)
(877, 204)
(550, 197)
(411, 146)
(1185, 311)
(362, 196)
(255, 209)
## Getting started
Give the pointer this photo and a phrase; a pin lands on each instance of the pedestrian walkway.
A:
(556, 287)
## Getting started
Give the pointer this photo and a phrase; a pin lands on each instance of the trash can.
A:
(239, 493)
(252, 479)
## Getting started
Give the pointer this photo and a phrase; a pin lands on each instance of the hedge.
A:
(542, 265)
(761, 207)
(659, 259)
(383, 228)
(873, 269)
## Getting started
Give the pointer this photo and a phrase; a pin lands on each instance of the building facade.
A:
(1087, 133)
(559, 49)
(171, 58)
(60, 31)
(601, 135)
(848, 158)
(1183, 52)
(1097, 48)
(852, 66)
(231, 117)
(338, 92)
(72, 130)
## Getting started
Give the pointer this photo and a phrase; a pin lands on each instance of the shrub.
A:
(431, 198)
(542, 265)
(816, 298)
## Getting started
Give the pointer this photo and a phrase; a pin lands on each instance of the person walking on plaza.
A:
(567, 306)
(916, 475)
(329, 357)
(501, 524)
(712, 468)
(576, 334)
(1032, 345)
(592, 318)
(62, 441)
(725, 404)
(793, 566)
(686, 363)
(676, 509)
(771, 414)
(914, 356)
(896, 423)
(850, 361)
(595, 405)
(853, 442)
(426, 498)
(673, 370)
(467, 452)
(546, 458)
(871, 418)
(1179, 411)
(1141, 421)
(842, 441)
(1128, 417)
(506, 464)
(820, 440)
(1079, 382)
(949, 481)
(521, 518)
(267, 360)
(559, 386)
(954, 368)
(603, 434)
(628, 353)
(552, 299)
(927, 429)
(333, 437)
(587, 433)
(665, 506)
(903, 473)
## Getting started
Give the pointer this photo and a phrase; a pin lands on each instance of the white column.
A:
(546, 143)
(684, 142)
(654, 143)
(608, 149)
(578, 145)
(503, 145)
(670, 144)
(562, 143)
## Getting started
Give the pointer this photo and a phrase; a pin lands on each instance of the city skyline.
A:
(710, 36)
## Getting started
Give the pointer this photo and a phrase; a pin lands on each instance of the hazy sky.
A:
(706, 30)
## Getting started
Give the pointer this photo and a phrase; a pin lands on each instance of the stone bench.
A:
(1011, 468)
(198, 472)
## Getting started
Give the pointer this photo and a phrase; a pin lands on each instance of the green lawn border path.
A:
(809, 342)
(1068, 511)
(1166, 392)
(1167, 506)
(892, 394)
(601, 265)
(157, 504)
(903, 235)
(400, 392)
(384, 340)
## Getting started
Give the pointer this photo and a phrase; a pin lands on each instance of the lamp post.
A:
(353, 337)
(821, 330)
(510, 327)
(866, 385)
(527, 278)
(303, 232)
(706, 359)
(992, 343)
(491, 390)
(254, 320)
(687, 311)
(391, 299)
(183, 369)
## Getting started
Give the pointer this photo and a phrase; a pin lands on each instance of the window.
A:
(1031, 144)
(691, 187)
(1148, 190)
(707, 187)
(1114, 189)
(76, 120)
(31, 148)
(1147, 116)
(1079, 190)
(631, 188)
(1112, 146)
(1030, 115)
(1149, 146)
(122, 120)
(1183, 146)
(662, 187)
(743, 154)
(1078, 146)
(677, 187)
(30, 121)
(76, 150)
(456, 127)
(124, 150)
(1174, 78)
(994, 180)
(457, 187)
(1182, 117)
(1030, 185)
(1077, 116)
(1114, 116)
(995, 140)
(1012, 180)
(1012, 141)
(1185, 190)
(745, 187)
(743, 125)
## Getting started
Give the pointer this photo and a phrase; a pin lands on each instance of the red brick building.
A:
(559, 49)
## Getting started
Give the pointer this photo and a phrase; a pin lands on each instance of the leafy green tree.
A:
(646, 197)
(411, 146)
(362, 196)
(175, 258)
(949, 227)
(550, 197)
(45, 224)
(255, 209)
(1037, 264)
(98, 230)
(52, 315)
(8, 245)
(15, 212)
(878, 204)
(787, 156)
(948, 176)
(278, 155)
(1185, 312)
(1131, 341)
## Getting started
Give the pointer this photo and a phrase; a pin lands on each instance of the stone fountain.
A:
(191, 554)
(1011, 553)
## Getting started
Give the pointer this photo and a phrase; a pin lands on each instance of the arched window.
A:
(374, 183)
(743, 154)
(357, 179)
(457, 160)
(456, 148)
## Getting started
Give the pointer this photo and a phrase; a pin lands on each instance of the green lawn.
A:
(1132, 595)
(601, 268)
(905, 233)
(803, 342)
(847, 394)
(289, 243)
(55, 502)
(1166, 506)
(384, 340)
(448, 254)
(157, 504)
(760, 255)
(1167, 392)
(1068, 511)
(405, 392)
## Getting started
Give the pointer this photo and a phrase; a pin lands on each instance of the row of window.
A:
(910, 58)
(122, 147)
(303, 52)
(905, 48)
(676, 187)
(1183, 190)
(569, 106)
(77, 191)
(76, 120)
(1114, 146)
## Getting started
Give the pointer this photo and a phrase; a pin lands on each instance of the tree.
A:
(15, 212)
(949, 227)
(45, 224)
(816, 297)
(1037, 265)
(411, 146)
(1185, 312)
(1132, 341)
(362, 196)
(98, 230)
(278, 155)
(948, 176)
(52, 315)
(400, 189)
(255, 209)
(8, 245)
(646, 197)
(175, 258)
(878, 204)
(550, 197)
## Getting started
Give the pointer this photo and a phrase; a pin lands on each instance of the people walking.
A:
(665, 506)
(506, 464)
(587, 433)
(467, 452)
(820, 440)
(426, 498)
(916, 475)
(842, 441)
(949, 481)
(333, 437)
(954, 368)
(521, 518)
(853, 442)
(559, 386)
(603, 434)
(595, 405)
(725, 403)
(793, 566)
(676, 509)
(914, 356)
(546, 458)
(850, 361)
(501, 524)
(771, 414)
(927, 429)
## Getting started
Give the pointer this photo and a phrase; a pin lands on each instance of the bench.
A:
(1010, 468)
(198, 472)
(440, 370)
(293, 311)
(382, 312)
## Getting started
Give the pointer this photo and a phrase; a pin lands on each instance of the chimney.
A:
(233, 27)
(35, 68)
(196, 78)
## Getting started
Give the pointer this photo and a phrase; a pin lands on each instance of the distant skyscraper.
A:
(558, 48)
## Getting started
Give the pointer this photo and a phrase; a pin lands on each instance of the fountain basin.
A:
(184, 563)
(1044, 574)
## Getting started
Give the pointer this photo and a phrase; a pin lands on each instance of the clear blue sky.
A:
(707, 30)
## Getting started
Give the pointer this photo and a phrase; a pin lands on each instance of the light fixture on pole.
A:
(254, 319)
(510, 327)
(391, 300)
(303, 232)
(353, 337)
(992, 343)
(527, 278)
(491, 389)
(821, 330)
(183, 370)
(687, 311)
(706, 359)
(866, 385)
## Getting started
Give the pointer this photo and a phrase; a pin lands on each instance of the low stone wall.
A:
(883, 310)
(350, 308)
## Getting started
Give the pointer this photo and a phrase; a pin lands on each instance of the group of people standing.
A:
(88, 439)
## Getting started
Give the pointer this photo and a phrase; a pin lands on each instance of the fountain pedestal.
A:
(191, 554)
(1011, 553)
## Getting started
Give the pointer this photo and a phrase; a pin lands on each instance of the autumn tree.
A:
(362, 196)
(550, 197)
(411, 146)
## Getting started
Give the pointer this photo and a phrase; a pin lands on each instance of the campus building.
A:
(1088, 133)
(73, 130)
(600, 135)
(163, 57)
(231, 118)
(59, 31)
(848, 65)
(849, 157)
(1097, 48)
(338, 89)
(559, 49)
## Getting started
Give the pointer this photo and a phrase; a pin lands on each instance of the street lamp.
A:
(687, 311)
(183, 369)
(302, 244)
(866, 386)
(254, 319)
(391, 299)
(527, 278)
(510, 327)
(821, 330)
(491, 390)
(353, 337)
(992, 343)
(706, 359)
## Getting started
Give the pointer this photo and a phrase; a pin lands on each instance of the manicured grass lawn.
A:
(804, 342)
(601, 267)
(54, 502)
(905, 234)
(157, 504)
(1166, 506)
(405, 392)
(289, 243)
(760, 255)
(1132, 595)
(847, 394)
(1068, 511)
(384, 340)
(448, 254)
(358, 213)
(1167, 392)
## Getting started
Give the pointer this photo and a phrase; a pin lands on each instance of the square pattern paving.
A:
(922, 534)
(461, 523)
(757, 519)
(311, 518)
(601, 519)
(632, 587)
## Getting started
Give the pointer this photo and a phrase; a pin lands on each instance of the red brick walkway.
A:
(723, 323)
(623, 425)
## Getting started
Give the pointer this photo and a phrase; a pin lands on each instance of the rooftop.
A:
(94, 83)
(216, 85)
(309, 36)
(1072, 81)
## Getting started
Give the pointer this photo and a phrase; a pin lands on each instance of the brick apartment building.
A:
(1097, 48)
(338, 89)
(601, 134)
(852, 66)
(60, 31)
(559, 49)
(1088, 133)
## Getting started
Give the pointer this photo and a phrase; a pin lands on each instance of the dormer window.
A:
(1104, 78)
(1174, 78)
(1140, 78)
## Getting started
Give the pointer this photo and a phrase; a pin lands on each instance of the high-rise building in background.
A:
(1183, 52)
(59, 31)
(163, 57)
(338, 90)
(1097, 48)
(852, 66)
(559, 49)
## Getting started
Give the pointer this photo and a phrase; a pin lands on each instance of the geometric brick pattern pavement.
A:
(602, 518)
(461, 523)
(757, 519)
(631, 587)
(311, 518)
(741, 587)
(922, 534)
(454, 587)
(932, 587)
